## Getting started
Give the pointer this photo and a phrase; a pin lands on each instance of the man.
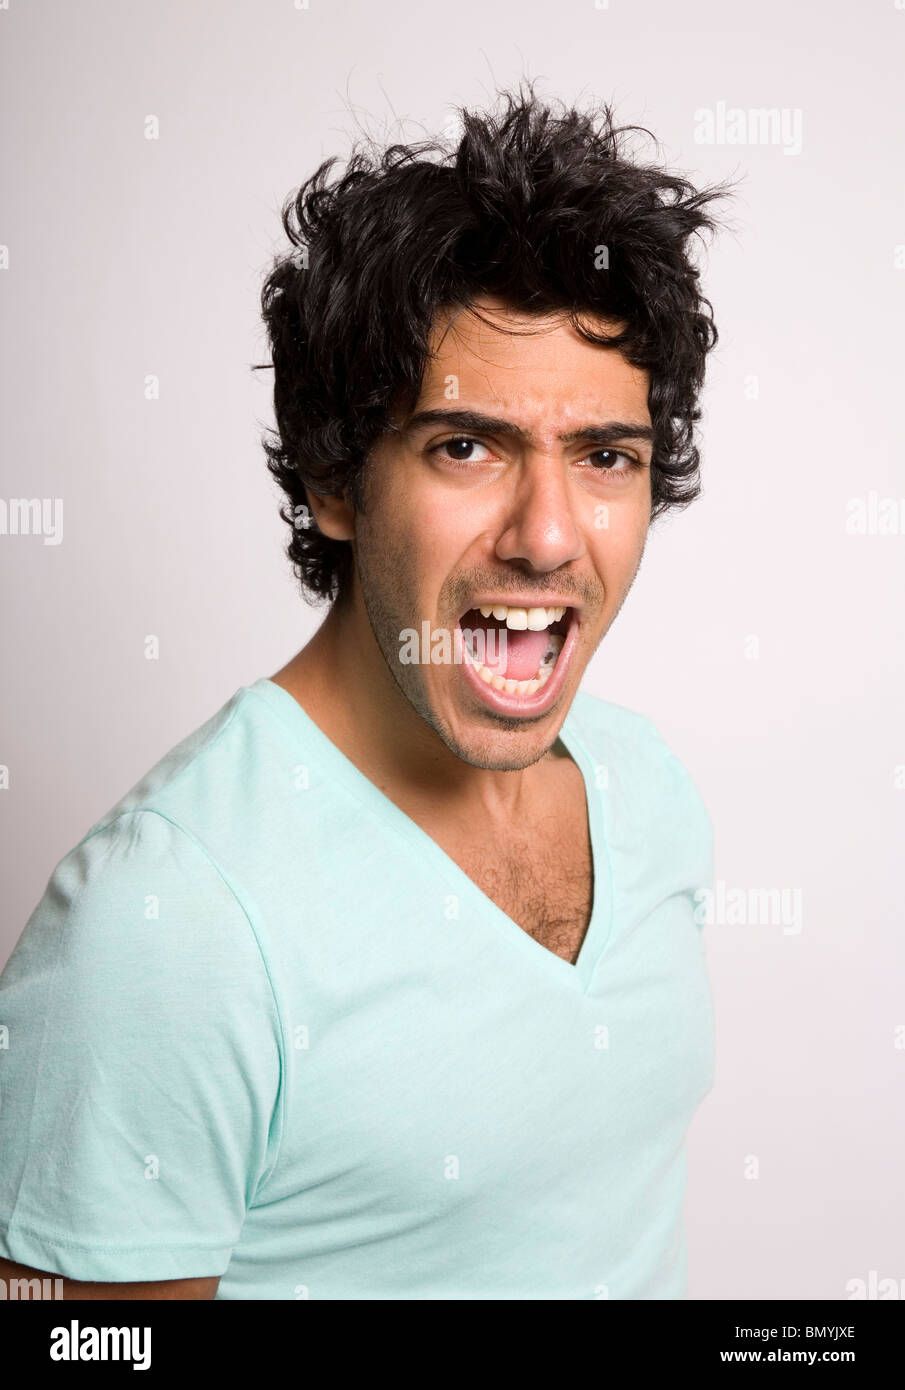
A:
(386, 982)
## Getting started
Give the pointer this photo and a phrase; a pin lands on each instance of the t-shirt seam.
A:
(576, 722)
(667, 759)
(193, 839)
(407, 832)
(363, 800)
(153, 811)
(265, 701)
(578, 735)
(324, 756)
(12, 1226)
(40, 1059)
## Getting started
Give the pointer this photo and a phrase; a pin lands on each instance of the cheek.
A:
(413, 537)
(441, 530)
(617, 547)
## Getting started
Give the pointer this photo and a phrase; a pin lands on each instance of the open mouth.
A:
(516, 651)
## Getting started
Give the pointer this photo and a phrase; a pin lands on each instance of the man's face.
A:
(535, 511)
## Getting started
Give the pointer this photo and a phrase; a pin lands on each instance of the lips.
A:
(485, 683)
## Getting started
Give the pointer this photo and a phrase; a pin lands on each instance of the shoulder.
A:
(155, 860)
(636, 766)
(206, 799)
(194, 781)
(602, 718)
(614, 729)
(141, 903)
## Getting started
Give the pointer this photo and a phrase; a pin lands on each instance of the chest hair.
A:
(543, 882)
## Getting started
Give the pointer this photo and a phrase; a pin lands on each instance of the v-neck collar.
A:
(297, 720)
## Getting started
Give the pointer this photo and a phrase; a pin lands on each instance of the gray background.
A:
(131, 257)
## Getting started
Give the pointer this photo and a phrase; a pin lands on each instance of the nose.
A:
(541, 528)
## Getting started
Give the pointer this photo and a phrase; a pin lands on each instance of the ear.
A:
(335, 516)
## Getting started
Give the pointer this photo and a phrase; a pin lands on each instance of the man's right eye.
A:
(460, 449)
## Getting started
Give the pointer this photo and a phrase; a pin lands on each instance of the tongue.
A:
(515, 656)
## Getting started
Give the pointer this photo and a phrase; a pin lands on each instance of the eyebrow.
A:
(473, 422)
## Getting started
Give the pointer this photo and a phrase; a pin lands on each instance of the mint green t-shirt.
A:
(261, 1026)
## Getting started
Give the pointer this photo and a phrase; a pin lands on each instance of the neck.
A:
(341, 680)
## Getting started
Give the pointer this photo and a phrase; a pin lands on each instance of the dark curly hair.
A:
(520, 210)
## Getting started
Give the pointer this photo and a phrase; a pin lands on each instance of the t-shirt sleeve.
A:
(139, 1063)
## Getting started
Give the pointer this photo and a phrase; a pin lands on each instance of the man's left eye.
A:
(611, 458)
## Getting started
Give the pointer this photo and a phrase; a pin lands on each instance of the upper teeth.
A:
(535, 619)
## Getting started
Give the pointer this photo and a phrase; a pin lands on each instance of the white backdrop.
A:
(765, 631)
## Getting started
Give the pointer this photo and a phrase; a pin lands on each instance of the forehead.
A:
(535, 369)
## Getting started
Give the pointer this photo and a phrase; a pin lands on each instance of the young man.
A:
(386, 982)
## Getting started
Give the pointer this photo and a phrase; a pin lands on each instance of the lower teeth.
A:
(512, 687)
